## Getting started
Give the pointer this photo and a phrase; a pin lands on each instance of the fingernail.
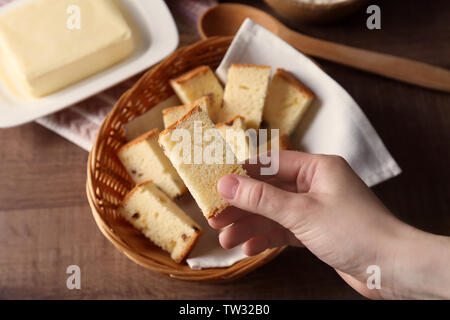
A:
(227, 187)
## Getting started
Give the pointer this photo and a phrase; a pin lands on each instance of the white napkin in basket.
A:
(336, 125)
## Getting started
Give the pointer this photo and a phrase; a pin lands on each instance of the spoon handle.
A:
(409, 71)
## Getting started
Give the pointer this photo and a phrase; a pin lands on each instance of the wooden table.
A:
(46, 224)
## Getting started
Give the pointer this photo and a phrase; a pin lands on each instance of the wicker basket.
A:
(108, 182)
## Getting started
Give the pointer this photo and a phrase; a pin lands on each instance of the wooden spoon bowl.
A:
(226, 19)
(298, 12)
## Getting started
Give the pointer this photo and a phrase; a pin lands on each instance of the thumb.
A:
(286, 208)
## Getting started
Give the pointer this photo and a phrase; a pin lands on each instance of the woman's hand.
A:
(318, 202)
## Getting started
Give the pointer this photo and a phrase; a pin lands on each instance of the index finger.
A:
(227, 217)
(290, 165)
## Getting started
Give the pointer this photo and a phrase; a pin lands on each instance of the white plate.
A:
(157, 38)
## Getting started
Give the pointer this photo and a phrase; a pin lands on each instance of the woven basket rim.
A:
(209, 274)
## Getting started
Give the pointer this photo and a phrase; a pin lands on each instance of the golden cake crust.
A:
(217, 211)
(168, 110)
(230, 122)
(139, 139)
(194, 238)
(132, 191)
(173, 126)
(206, 99)
(191, 74)
(288, 77)
(247, 65)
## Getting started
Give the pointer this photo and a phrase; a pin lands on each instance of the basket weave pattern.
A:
(108, 182)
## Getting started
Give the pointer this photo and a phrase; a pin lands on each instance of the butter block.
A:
(43, 53)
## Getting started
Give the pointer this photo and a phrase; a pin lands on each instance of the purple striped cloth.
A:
(80, 122)
(188, 11)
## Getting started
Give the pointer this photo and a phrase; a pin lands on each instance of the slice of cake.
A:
(195, 167)
(173, 114)
(197, 83)
(286, 103)
(245, 93)
(145, 160)
(233, 132)
(152, 212)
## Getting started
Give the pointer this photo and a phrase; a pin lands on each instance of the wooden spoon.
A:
(225, 20)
